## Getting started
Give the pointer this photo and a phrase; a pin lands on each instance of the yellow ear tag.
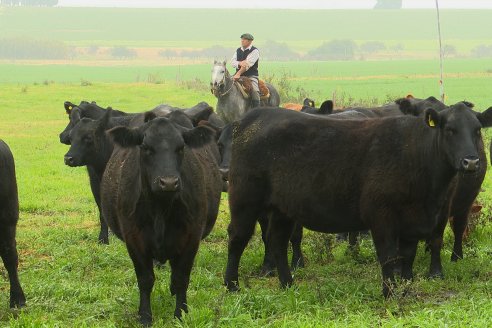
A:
(70, 107)
(431, 122)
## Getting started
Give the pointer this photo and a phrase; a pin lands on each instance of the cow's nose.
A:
(225, 173)
(470, 164)
(69, 160)
(169, 183)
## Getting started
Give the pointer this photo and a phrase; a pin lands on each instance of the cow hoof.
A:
(103, 241)
(232, 287)
(145, 320)
(267, 271)
(436, 275)
(455, 257)
(297, 264)
(18, 303)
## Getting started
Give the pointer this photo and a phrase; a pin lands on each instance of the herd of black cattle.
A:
(400, 170)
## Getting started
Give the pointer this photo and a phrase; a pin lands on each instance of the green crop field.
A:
(72, 281)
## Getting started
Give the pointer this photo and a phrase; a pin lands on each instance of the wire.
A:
(441, 55)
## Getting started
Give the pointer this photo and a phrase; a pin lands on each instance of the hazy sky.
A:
(291, 4)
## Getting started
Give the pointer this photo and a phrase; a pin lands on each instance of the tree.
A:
(388, 4)
(372, 47)
(123, 52)
(36, 3)
(449, 50)
(334, 50)
(273, 50)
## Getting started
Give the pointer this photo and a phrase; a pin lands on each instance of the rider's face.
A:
(245, 43)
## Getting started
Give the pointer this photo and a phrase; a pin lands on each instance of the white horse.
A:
(231, 104)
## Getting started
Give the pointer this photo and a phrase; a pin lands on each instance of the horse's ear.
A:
(224, 62)
(215, 61)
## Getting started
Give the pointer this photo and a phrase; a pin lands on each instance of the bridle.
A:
(215, 91)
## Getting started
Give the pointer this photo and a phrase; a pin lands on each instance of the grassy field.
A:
(383, 80)
(302, 29)
(70, 280)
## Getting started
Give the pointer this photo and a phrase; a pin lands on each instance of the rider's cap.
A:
(247, 36)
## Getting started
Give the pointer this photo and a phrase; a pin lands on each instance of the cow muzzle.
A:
(169, 183)
(69, 160)
(470, 164)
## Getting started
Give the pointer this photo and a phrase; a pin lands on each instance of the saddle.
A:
(246, 87)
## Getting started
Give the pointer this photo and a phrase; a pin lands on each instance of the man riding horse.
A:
(245, 61)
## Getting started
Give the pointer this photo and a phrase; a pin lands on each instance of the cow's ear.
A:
(468, 104)
(104, 121)
(326, 107)
(431, 118)
(405, 106)
(75, 116)
(68, 106)
(218, 130)
(409, 96)
(149, 116)
(199, 136)
(203, 115)
(126, 137)
(485, 118)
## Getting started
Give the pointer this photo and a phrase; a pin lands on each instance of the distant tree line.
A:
(388, 4)
(26, 48)
(34, 3)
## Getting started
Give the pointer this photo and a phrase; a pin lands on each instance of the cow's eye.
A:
(147, 150)
(450, 131)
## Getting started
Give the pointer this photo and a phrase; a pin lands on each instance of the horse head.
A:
(220, 77)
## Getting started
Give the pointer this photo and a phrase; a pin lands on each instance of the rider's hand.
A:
(236, 77)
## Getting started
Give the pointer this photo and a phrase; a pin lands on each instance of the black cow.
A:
(84, 109)
(160, 195)
(390, 175)
(326, 107)
(94, 154)
(391, 109)
(224, 143)
(9, 215)
(459, 201)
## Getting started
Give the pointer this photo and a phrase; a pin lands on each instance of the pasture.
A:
(70, 280)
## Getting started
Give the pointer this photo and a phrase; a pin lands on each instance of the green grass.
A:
(464, 79)
(70, 280)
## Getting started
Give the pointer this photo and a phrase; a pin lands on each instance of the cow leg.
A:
(180, 276)
(95, 182)
(342, 236)
(268, 267)
(407, 249)
(459, 225)
(295, 241)
(385, 243)
(8, 252)
(240, 230)
(435, 245)
(279, 234)
(143, 264)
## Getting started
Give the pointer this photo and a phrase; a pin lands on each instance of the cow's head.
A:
(75, 113)
(459, 134)
(162, 146)
(414, 106)
(85, 140)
